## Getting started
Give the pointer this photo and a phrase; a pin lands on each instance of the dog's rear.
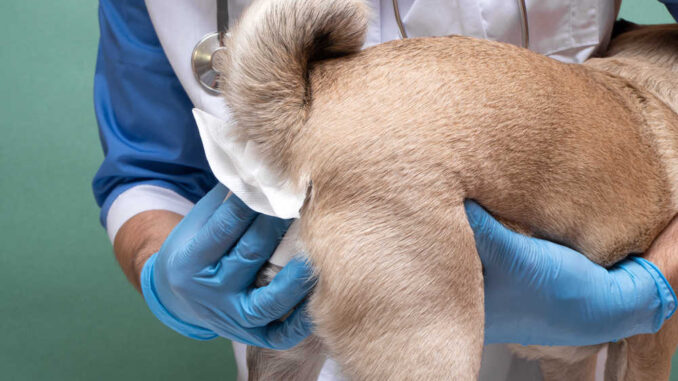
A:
(395, 311)
(392, 139)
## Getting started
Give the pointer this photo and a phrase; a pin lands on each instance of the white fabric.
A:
(240, 167)
(180, 24)
(289, 247)
(140, 199)
(567, 30)
(240, 353)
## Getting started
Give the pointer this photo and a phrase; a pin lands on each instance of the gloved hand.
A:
(541, 293)
(200, 282)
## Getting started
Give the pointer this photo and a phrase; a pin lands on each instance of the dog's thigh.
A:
(302, 363)
(398, 299)
(643, 357)
(559, 370)
(561, 362)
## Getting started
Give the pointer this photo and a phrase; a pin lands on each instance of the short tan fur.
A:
(390, 140)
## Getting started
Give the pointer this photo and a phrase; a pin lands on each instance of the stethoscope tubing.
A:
(522, 9)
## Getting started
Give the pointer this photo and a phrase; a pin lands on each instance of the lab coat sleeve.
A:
(672, 6)
(152, 150)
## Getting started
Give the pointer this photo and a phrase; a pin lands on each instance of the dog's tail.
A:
(265, 65)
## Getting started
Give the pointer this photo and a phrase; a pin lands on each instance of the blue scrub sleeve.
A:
(672, 6)
(145, 122)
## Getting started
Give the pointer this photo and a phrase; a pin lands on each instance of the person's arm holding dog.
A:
(172, 271)
(540, 293)
(559, 291)
(199, 282)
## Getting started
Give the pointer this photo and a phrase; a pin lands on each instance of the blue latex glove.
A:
(200, 283)
(541, 293)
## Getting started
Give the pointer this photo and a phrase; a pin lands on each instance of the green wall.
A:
(66, 310)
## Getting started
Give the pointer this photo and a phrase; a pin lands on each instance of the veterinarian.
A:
(194, 257)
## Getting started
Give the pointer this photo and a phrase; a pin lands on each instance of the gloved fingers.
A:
(278, 335)
(273, 301)
(220, 233)
(492, 238)
(197, 216)
(521, 255)
(240, 267)
(251, 336)
(286, 334)
(204, 208)
(478, 217)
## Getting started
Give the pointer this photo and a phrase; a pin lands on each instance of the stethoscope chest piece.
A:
(202, 62)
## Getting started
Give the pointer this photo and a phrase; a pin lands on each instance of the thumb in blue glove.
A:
(541, 293)
(200, 283)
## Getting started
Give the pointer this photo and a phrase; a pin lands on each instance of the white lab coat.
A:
(567, 30)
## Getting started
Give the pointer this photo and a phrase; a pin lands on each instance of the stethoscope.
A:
(205, 49)
(204, 52)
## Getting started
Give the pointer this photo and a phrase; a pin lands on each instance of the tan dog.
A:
(390, 140)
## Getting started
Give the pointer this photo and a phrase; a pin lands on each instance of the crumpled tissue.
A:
(241, 168)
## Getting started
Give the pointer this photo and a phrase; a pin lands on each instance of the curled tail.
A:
(265, 65)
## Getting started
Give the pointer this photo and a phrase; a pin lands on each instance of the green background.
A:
(66, 310)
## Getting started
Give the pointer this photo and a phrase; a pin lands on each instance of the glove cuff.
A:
(160, 312)
(667, 297)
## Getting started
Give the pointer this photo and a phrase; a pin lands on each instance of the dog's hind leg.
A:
(561, 370)
(301, 363)
(643, 357)
(562, 363)
(399, 297)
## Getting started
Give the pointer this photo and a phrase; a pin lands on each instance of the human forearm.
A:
(140, 237)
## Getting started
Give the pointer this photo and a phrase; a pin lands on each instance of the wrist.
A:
(140, 237)
(149, 291)
(665, 295)
(644, 299)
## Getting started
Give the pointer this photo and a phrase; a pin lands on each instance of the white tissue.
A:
(241, 168)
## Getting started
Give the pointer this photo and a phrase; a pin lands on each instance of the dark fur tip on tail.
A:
(266, 62)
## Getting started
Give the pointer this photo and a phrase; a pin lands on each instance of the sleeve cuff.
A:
(141, 198)
(154, 304)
